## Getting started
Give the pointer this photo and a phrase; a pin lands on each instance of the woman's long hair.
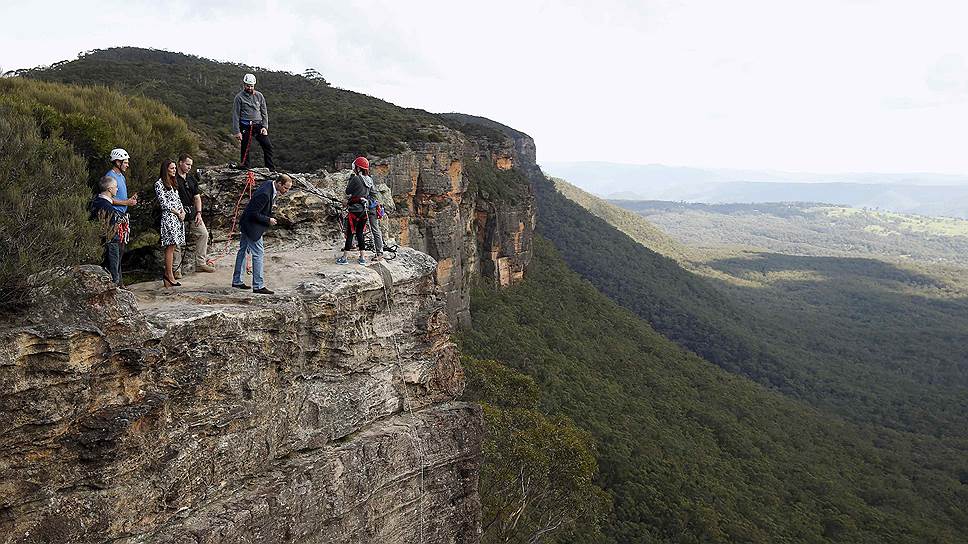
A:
(168, 181)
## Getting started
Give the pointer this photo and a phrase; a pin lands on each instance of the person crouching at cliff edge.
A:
(360, 191)
(255, 221)
(109, 222)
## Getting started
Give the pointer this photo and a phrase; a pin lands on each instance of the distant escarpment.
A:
(466, 203)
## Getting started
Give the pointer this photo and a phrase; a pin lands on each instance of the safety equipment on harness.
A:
(352, 218)
(119, 154)
(249, 79)
(362, 163)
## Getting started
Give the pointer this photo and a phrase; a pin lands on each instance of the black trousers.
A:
(254, 132)
(359, 224)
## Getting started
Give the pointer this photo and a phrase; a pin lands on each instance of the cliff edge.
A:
(323, 413)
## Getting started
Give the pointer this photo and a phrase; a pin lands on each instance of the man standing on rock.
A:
(121, 200)
(108, 220)
(255, 221)
(191, 200)
(250, 118)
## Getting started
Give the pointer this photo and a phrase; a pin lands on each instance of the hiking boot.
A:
(341, 260)
(205, 268)
(263, 291)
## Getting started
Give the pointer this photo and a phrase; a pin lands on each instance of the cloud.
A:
(818, 86)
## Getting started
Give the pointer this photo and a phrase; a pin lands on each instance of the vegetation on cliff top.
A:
(311, 123)
(55, 148)
(94, 120)
(493, 184)
(43, 195)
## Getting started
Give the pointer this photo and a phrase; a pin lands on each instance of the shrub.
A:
(95, 120)
(44, 196)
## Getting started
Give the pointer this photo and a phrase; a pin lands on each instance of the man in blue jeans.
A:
(255, 221)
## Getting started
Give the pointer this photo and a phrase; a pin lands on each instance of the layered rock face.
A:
(438, 213)
(431, 205)
(323, 413)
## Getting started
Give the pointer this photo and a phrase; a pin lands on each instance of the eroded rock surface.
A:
(431, 206)
(323, 413)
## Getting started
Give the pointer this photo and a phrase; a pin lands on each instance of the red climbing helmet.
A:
(362, 163)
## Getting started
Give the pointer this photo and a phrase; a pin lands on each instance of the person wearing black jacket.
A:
(359, 192)
(255, 221)
(109, 221)
(191, 198)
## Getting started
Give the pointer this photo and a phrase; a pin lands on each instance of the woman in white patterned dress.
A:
(172, 227)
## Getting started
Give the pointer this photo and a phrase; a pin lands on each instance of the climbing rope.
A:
(414, 437)
(247, 187)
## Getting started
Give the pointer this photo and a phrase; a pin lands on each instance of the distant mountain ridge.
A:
(918, 193)
(686, 174)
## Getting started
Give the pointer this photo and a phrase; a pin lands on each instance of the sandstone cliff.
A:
(439, 212)
(434, 206)
(323, 413)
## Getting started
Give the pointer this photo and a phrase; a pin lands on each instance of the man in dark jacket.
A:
(191, 199)
(109, 219)
(255, 220)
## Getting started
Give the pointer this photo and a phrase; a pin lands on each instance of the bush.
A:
(44, 197)
(95, 120)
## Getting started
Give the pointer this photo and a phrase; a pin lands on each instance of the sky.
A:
(823, 86)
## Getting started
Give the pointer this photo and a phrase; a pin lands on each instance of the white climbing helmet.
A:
(119, 154)
(249, 79)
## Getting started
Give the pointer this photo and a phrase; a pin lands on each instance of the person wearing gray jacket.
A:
(250, 119)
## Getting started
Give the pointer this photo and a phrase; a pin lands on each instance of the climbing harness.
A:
(249, 184)
(389, 250)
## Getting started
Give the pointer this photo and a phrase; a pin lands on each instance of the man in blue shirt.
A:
(120, 201)
(119, 165)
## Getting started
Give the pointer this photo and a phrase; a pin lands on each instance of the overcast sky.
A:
(807, 85)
